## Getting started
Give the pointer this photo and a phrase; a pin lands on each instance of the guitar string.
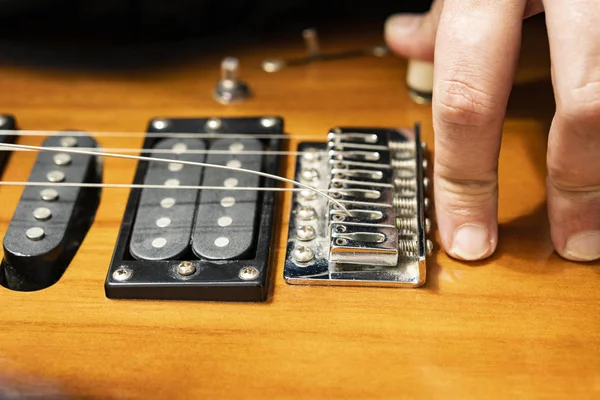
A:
(192, 163)
(165, 134)
(148, 186)
(180, 152)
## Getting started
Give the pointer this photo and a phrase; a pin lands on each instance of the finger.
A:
(574, 142)
(413, 35)
(476, 55)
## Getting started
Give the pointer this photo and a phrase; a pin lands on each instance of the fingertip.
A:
(472, 242)
(582, 246)
(404, 35)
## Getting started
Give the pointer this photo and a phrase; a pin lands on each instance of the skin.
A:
(475, 44)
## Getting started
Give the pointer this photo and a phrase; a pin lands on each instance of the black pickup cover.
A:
(50, 223)
(221, 252)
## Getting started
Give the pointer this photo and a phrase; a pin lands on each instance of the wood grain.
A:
(524, 323)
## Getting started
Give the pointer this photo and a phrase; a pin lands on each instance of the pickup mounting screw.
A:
(186, 268)
(122, 274)
(248, 273)
(160, 124)
(213, 124)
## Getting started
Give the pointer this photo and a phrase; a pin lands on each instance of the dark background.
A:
(177, 18)
(121, 33)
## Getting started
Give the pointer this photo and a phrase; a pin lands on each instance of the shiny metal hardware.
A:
(248, 273)
(381, 239)
(213, 124)
(305, 233)
(268, 122)
(303, 254)
(69, 141)
(306, 213)
(186, 268)
(160, 124)
(122, 274)
(230, 89)
(36, 233)
(313, 54)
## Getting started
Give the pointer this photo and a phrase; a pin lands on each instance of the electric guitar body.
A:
(146, 292)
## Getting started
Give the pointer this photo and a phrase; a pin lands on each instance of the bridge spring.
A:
(407, 225)
(408, 247)
(405, 183)
(407, 164)
(405, 202)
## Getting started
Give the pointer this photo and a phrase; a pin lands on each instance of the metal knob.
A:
(230, 89)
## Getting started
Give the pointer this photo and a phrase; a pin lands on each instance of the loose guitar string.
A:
(192, 163)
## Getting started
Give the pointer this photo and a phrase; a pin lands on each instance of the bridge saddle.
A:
(378, 176)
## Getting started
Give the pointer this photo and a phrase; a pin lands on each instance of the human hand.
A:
(476, 45)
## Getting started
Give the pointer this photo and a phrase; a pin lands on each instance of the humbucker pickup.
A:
(7, 123)
(200, 244)
(50, 222)
(378, 175)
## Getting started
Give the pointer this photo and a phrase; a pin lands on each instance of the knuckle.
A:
(461, 102)
(466, 193)
(582, 105)
(568, 182)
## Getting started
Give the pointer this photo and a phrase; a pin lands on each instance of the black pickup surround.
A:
(7, 123)
(50, 222)
(189, 244)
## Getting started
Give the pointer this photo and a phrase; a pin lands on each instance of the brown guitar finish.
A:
(524, 324)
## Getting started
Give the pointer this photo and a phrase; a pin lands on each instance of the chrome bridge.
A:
(378, 175)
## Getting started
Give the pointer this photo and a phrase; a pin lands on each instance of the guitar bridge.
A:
(378, 175)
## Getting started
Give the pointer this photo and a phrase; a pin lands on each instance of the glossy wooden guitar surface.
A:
(524, 323)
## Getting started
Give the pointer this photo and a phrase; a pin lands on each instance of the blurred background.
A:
(122, 33)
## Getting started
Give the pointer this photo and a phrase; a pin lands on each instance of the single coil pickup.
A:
(359, 244)
(225, 225)
(50, 223)
(163, 222)
(7, 123)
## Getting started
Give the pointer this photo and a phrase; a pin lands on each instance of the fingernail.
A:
(471, 242)
(583, 246)
(402, 24)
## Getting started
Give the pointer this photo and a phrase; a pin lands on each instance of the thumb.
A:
(413, 35)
